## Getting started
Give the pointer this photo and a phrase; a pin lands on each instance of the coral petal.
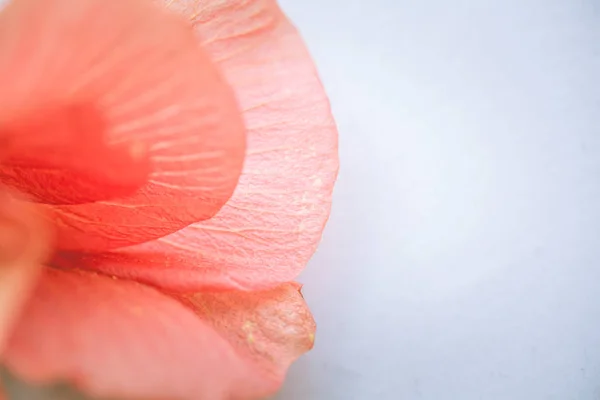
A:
(146, 94)
(58, 156)
(270, 327)
(115, 338)
(271, 226)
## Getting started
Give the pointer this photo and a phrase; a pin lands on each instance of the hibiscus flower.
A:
(166, 169)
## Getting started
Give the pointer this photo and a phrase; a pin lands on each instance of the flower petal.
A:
(24, 245)
(134, 76)
(270, 327)
(271, 226)
(117, 338)
(71, 163)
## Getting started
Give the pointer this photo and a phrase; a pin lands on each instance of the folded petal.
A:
(119, 339)
(272, 328)
(24, 245)
(118, 95)
(271, 226)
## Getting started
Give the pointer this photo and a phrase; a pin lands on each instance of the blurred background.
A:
(462, 258)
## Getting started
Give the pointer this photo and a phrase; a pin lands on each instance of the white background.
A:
(462, 259)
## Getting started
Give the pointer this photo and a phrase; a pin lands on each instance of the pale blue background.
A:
(462, 259)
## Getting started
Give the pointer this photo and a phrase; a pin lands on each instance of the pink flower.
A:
(185, 176)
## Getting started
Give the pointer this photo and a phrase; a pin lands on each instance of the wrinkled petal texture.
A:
(271, 327)
(271, 226)
(127, 79)
(123, 339)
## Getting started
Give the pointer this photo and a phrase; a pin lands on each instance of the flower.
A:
(186, 176)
